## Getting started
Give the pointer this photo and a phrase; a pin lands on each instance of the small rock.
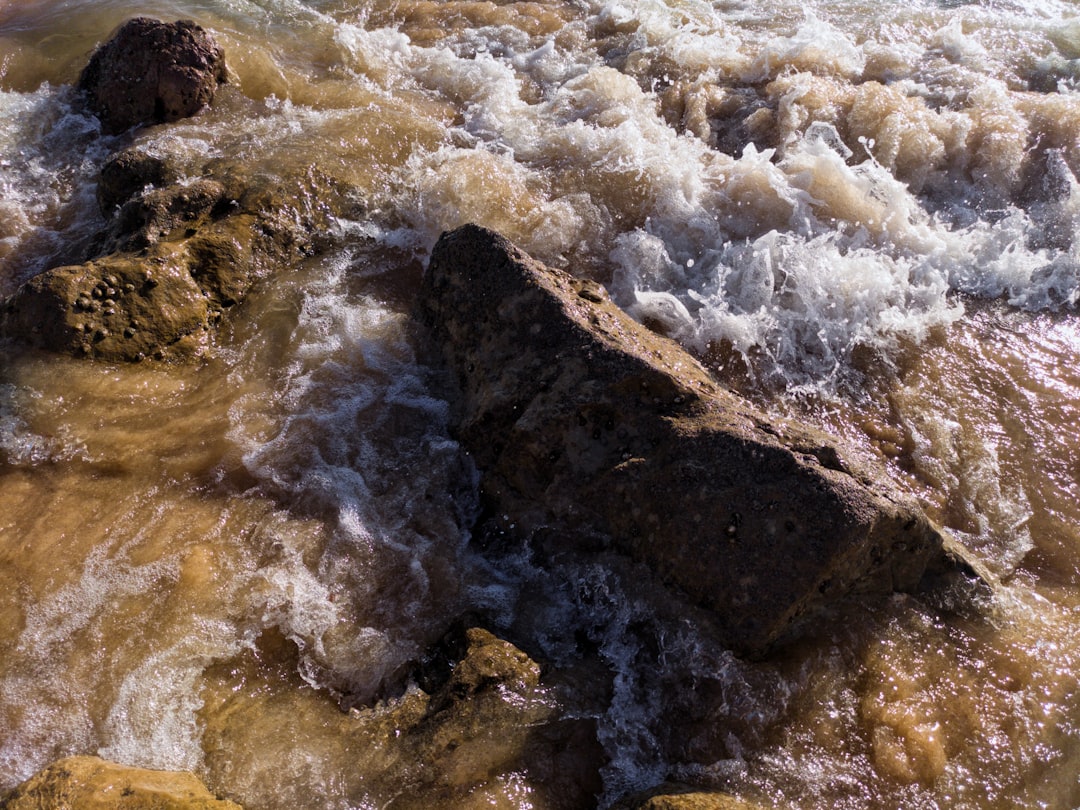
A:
(493, 716)
(129, 172)
(677, 797)
(152, 72)
(91, 783)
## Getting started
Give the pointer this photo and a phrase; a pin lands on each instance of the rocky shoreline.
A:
(591, 435)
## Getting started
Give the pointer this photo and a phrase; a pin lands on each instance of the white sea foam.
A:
(20, 444)
(889, 187)
(49, 153)
(358, 442)
(816, 45)
(152, 722)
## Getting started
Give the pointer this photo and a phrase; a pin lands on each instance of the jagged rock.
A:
(592, 432)
(493, 716)
(91, 783)
(152, 72)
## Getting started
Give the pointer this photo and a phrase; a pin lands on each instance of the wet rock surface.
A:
(493, 716)
(591, 432)
(91, 783)
(127, 173)
(676, 797)
(177, 253)
(176, 259)
(483, 727)
(181, 245)
(152, 72)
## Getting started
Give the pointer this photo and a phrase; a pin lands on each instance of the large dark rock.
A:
(152, 72)
(91, 783)
(590, 431)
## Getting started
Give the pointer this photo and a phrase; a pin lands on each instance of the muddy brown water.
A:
(861, 213)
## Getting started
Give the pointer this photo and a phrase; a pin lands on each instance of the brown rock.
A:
(90, 783)
(128, 306)
(172, 261)
(129, 172)
(592, 432)
(152, 72)
(481, 728)
(492, 717)
(675, 797)
(167, 214)
(120, 307)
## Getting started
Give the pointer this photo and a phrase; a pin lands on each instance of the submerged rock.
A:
(482, 727)
(91, 783)
(152, 72)
(492, 717)
(592, 432)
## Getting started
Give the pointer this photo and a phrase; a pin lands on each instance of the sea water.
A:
(859, 213)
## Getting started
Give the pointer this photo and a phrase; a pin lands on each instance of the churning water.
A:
(857, 211)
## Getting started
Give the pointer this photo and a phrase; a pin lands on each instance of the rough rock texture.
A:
(175, 257)
(592, 432)
(179, 268)
(676, 797)
(128, 306)
(127, 173)
(493, 716)
(90, 783)
(152, 72)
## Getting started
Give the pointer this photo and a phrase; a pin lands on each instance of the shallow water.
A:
(861, 213)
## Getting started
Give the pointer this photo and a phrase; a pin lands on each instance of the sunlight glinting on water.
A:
(860, 213)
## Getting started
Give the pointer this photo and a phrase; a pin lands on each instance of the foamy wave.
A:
(355, 444)
(49, 154)
(862, 224)
(22, 445)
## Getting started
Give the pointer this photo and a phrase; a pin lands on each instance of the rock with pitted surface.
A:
(91, 783)
(152, 72)
(161, 302)
(591, 432)
(176, 256)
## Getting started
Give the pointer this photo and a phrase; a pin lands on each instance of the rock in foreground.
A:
(675, 797)
(590, 431)
(152, 72)
(90, 783)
